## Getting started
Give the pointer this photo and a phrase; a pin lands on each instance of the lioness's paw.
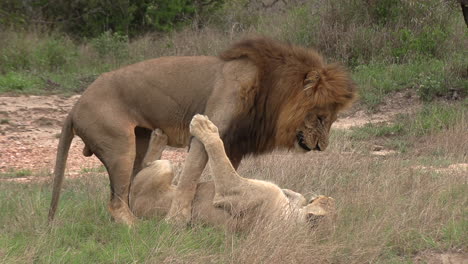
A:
(159, 136)
(202, 128)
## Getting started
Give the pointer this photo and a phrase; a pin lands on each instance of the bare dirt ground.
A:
(399, 103)
(29, 131)
(30, 127)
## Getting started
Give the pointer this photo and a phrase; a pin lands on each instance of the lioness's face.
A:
(318, 208)
(314, 132)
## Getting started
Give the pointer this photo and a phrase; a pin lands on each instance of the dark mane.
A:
(280, 81)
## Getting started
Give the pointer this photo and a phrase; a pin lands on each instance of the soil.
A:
(404, 102)
(30, 127)
(429, 257)
(29, 131)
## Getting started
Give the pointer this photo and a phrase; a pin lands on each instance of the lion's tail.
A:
(59, 171)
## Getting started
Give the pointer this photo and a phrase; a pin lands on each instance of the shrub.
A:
(114, 45)
(36, 51)
(90, 18)
(360, 32)
(15, 53)
(429, 86)
(423, 44)
(55, 53)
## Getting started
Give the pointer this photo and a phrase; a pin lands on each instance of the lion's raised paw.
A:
(202, 128)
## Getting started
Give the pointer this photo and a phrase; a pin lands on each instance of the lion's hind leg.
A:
(115, 145)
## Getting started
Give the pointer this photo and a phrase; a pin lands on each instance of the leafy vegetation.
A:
(389, 45)
(390, 208)
(431, 118)
(91, 18)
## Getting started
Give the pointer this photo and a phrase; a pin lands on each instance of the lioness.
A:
(229, 200)
(261, 94)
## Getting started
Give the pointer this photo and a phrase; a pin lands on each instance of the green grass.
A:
(386, 50)
(388, 209)
(431, 118)
(20, 82)
(12, 173)
(56, 64)
(388, 212)
(428, 77)
(84, 233)
(93, 170)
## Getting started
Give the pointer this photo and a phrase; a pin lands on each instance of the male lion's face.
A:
(313, 133)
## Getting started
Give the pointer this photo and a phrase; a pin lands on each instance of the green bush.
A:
(429, 86)
(112, 45)
(13, 12)
(423, 44)
(167, 14)
(15, 59)
(15, 53)
(31, 51)
(55, 53)
(90, 18)
(386, 11)
(358, 32)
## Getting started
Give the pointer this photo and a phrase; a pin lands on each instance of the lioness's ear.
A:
(311, 81)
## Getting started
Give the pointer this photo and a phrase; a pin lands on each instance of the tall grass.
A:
(389, 210)
(390, 45)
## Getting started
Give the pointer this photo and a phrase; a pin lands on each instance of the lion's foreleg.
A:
(224, 175)
(181, 207)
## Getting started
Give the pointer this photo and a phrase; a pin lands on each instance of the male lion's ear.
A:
(311, 81)
(331, 85)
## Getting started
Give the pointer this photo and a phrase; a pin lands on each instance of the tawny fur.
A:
(254, 92)
(229, 200)
(278, 103)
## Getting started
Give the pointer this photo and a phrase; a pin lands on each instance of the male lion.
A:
(260, 93)
(229, 200)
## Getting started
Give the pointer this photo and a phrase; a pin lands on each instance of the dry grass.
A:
(389, 210)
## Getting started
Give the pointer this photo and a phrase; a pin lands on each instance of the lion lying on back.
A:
(229, 200)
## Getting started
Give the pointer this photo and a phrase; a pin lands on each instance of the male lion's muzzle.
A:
(302, 143)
